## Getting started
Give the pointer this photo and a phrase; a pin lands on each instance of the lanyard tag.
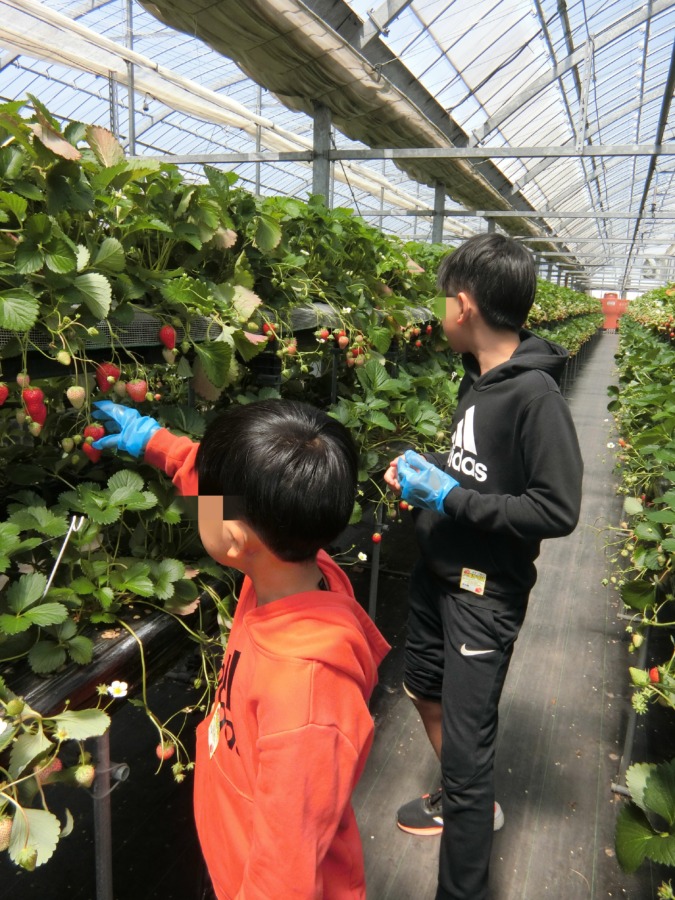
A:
(473, 581)
(214, 730)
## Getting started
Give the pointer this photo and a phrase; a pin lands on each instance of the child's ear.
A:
(465, 304)
(239, 538)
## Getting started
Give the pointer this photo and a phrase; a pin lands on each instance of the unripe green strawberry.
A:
(84, 775)
(23, 380)
(169, 355)
(120, 388)
(15, 706)
(35, 428)
(20, 416)
(76, 395)
(28, 859)
(5, 831)
(68, 444)
(63, 357)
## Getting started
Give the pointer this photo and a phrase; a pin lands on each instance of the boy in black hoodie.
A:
(512, 478)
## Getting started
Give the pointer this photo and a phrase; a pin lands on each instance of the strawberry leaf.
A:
(18, 310)
(267, 233)
(215, 357)
(96, 293)
(46, 614)
(80, 649)
(26, 591)
(110, 256)
(28, 258)
(632, 837)
(106, 147)
(60, 258)
(34, 829)
(46, 656)
(24, 750)
(82, 724)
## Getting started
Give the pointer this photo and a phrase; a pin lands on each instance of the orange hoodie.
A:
(286, 741)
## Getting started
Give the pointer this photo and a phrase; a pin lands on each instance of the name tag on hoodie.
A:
(473, 581)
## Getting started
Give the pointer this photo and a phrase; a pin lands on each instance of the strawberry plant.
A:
(644, 551)
(239, 297)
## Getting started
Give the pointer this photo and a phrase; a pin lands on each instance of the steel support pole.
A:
(439, 214)
(130, 82)
(102, 826)
(321, 164)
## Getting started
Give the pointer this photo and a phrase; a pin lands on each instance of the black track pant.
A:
(458, 650)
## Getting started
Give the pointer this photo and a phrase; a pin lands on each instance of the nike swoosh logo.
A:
(466, 652)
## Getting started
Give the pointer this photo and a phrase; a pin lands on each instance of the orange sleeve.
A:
(175, 456)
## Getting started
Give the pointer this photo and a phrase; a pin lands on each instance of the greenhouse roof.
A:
(545, 119)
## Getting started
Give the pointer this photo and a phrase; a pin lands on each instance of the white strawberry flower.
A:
(362, 556)
(118, 689)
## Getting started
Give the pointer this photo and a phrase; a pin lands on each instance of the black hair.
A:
(288, 469)
(499, 274)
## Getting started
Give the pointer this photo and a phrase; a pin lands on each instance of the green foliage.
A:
(92, 243)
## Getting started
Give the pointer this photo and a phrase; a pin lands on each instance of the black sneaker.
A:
(424, 815)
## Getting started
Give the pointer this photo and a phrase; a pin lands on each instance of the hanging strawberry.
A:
(137, 390)
(106, 376)
(167, 335)
(92, 433)
(76, 395)
(4, 392)
(34, 404)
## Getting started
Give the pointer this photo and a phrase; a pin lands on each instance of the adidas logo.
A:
(463, 453)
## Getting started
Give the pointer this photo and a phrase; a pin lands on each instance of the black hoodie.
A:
(516, 457)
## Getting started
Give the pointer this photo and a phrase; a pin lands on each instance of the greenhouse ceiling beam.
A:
(380, 19)
(660, 131)
(305, 50)
(501, 213)
(394, 153)
(601, 40)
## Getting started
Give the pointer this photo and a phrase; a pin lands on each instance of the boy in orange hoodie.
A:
(286, 741)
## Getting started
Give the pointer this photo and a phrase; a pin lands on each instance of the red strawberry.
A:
(376, 538)
(5, 831)
(343, 341)
(165, 751)
(654, 675)
(324, 334)
(4, 392)
(167, 335)
(42, 773)
(94, 432)
(106, 375)
(94, 455)
(33, 400)
(84, 775)
(76, 394)
(137, 389)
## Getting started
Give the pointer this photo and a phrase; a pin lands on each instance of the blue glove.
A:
(131, 430)
(422, 484)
